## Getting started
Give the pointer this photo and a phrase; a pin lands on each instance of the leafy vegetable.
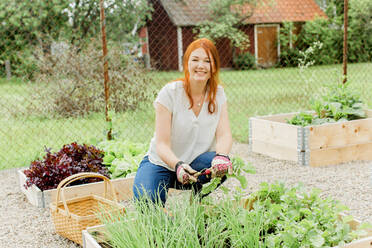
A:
(71, 159)
(295, 218)
(238, 166)
(122, 157)
(339, 103)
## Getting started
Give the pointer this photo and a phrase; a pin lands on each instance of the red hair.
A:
(213, 81)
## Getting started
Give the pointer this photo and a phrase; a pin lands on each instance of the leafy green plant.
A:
(239, 166)
(339, 103)
(244, 61)
(296, 218)
(301, 119)
(122, 157)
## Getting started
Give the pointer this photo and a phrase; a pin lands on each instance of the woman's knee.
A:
(151, 182)
(203, 161)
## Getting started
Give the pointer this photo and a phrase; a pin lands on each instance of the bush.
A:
(22, 63)
(71, 83)
(71, 159)
(244, 61)
(289, 57)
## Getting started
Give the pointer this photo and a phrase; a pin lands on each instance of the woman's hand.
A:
(185, 173)
(221, 165)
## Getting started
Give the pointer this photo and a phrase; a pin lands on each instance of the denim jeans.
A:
(153, 181)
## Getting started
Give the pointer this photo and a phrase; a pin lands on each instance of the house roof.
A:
(191, 12)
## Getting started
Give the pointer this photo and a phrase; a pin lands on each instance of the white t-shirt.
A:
(190, 135)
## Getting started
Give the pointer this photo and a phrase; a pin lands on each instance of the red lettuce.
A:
(71, 159)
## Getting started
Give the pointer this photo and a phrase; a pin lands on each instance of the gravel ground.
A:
(24, 225)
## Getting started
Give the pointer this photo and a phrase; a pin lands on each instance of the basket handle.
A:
(79, 176)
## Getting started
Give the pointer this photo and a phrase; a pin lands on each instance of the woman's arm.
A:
(223, 133)
(163, 123)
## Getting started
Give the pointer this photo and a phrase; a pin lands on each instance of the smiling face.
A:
(199, 66)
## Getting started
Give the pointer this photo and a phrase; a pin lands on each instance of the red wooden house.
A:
(167, 35)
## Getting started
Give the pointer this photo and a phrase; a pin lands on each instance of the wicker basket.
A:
(72, 216)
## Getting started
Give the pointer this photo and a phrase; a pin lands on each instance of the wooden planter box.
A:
(42, 199)
(319, 145)
(93, 241)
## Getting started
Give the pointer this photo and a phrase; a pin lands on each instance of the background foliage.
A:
(55, 96)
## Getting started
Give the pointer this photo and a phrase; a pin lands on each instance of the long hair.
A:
(213, 81)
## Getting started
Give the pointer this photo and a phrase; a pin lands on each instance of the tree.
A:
(24, 24)
(227, 16)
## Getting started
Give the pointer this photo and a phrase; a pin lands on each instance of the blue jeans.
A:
(153, 181)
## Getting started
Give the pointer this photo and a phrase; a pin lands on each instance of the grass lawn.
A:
(250, 93)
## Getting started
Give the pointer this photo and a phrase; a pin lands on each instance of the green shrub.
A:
(22, 63)
(244, 61)
(71, 83)
(289, 57)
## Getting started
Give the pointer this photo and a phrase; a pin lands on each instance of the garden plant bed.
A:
(42, 199)
(317, 145)
(94, 237)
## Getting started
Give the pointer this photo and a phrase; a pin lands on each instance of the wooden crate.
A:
(93, 241)
(319, 145)
(42, 199)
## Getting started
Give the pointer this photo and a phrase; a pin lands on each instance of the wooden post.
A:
(345, 39)
(105, 68)
(8, 70)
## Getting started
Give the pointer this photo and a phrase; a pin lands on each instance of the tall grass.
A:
(23, 135)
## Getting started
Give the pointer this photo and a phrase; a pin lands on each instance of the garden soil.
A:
(23, 225)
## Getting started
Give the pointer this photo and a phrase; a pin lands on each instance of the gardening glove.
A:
(185, 173)
(221, 165)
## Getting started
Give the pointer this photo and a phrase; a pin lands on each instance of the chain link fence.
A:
(275, 55)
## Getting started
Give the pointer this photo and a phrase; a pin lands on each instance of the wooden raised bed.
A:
(94, 236)
(319, 145)
(42, 199)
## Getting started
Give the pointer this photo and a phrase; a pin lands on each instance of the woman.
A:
(192, 130)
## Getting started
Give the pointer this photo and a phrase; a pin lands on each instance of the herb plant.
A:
(71, 159)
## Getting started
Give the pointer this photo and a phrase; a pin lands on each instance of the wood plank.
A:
(123, 188)
(361, 243)
(276, 133)
(42, 199)
(274, 150)
(369, 113)
(332, 156)
(277, 117)
(340, 134)
(89, 241)
(33, 194)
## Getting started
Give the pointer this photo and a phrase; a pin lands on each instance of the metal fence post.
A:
(8, 69)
